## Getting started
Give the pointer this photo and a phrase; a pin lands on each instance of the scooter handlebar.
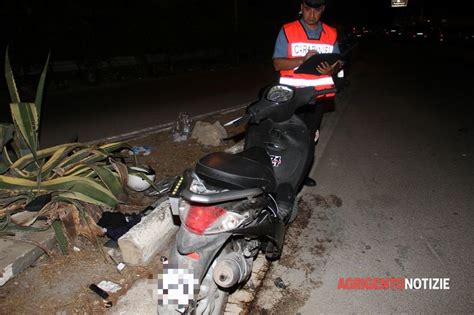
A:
(265, 108)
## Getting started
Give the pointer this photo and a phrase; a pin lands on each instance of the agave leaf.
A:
(97, 193)
(19, 145)
(39, 90)
(110, 180)
(87, 154)
(19, 165)
(11, 80)
(74, 159)
(77, 170)
(121, 170)
(88, 187)
(6, 156)
(14, 183)
(62, 241)
(112, 147)
(81, 197)
(3, 166)
(96, 156)
(6, 134)
(25, 118)
(4, 161)
(56, 159)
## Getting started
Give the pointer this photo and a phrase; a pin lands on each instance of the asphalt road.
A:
(395, 194)
(95, 113)
(110, 111)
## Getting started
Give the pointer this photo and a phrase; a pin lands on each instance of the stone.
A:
(209, 134)
(153, 234)
(16, 256)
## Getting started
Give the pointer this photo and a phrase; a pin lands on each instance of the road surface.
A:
(395, 194)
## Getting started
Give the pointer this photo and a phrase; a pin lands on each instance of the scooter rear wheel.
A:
(215, 300)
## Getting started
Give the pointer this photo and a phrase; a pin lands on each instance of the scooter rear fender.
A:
(197, 251)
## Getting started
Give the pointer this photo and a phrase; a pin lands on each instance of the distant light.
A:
(399, 3)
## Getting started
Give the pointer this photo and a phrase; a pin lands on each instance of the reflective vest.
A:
(298, 45)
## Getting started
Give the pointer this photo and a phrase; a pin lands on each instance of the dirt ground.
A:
(60, 284)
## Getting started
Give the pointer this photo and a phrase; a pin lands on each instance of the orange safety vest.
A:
(298, 45)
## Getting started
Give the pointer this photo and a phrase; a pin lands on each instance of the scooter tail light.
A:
(199, 218)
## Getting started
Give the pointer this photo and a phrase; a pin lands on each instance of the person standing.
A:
(296, 43)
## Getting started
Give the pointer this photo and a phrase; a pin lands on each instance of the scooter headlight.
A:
(280, 94)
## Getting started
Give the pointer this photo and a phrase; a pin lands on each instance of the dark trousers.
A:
(311, 115)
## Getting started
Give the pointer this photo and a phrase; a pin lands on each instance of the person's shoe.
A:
(308, 181)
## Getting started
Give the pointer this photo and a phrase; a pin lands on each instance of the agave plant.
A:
(34, 180)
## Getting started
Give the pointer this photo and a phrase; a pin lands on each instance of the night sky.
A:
(97, 29)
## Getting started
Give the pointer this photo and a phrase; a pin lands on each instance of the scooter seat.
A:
(251, 168)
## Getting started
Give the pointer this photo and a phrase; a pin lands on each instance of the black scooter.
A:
(232, 206)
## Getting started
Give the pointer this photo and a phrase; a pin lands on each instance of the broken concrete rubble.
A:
(209, 134)
(15, 256)
(149, 236)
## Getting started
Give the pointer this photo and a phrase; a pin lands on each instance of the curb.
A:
(16, 256)
(137, 134)
(151, 235)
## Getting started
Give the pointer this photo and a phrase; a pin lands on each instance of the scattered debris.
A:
(140, 150)
(236, 148)
(109, 286)
(279, 283)
(99, 291)
(209, 134)
(104, 295)
(182, 127)
(121, 266)
(117, 224)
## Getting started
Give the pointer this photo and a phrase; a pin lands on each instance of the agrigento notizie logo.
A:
(393, 283)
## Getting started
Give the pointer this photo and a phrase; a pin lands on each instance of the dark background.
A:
(96, 29)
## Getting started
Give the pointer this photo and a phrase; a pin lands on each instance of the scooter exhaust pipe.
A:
(231, 269)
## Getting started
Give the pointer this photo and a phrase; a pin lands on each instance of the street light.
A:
(399, 3)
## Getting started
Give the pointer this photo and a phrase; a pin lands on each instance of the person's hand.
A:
(327, 69)
(309, 54)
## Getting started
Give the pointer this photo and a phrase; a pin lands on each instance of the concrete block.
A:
(16, 256)
(149, 236)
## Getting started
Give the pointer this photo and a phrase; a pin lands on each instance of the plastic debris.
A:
(182, 127)
(121, 266)
(279, 283)
(109, 286)
(140, 150)
(99, 291)
(76, 249)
